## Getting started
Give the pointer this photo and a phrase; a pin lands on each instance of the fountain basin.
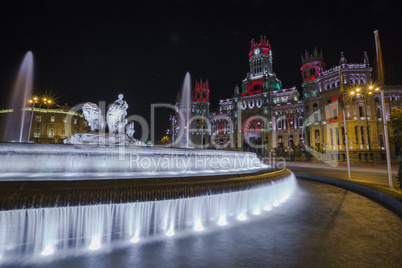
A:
(70, 162)
(61, 231)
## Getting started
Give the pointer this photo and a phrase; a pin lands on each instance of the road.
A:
(366, 174)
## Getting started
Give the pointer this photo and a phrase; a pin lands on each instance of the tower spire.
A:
(343, 59)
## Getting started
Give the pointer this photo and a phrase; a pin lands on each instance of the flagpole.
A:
(344, 120)
(384, 117)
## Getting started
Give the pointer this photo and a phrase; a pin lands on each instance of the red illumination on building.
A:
(263, 44)
(201, 91)
(308, 79)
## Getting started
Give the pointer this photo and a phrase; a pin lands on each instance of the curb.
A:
(375, 195)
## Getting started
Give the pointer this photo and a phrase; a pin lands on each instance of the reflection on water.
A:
(320, 226)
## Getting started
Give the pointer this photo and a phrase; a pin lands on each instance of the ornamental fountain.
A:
(99, 189)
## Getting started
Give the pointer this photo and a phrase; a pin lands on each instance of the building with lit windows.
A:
(264, 117)
(52, 125)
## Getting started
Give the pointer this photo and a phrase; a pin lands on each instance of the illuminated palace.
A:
(51, 125)
(263, 117)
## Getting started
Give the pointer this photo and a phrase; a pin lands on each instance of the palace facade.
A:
(49, 125)
(264, 117)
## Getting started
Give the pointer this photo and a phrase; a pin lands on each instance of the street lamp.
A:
(364, 93)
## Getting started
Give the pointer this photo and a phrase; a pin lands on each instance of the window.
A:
(300, 122)
(378, 113)
(343, 138)
(317, 137)
(356, 132)
(39, 119)
(361, 111)
(65, 119)
(52, 118)
(332, 141)
(362, 133)
(63, 132)
(75, 121)
(337, 135)
(51, 132)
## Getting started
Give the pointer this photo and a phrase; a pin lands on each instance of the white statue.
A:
(130, 130)
(116, 120)
(116, 115)
(93, 115)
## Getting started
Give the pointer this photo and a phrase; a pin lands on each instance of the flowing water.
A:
(32, 234)
(319, 226)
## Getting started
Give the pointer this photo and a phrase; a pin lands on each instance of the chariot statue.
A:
(119, 133)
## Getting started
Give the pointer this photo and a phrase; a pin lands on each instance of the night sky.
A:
(93, 50)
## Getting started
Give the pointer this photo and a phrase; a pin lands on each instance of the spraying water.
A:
(17, 121)
(185, 106)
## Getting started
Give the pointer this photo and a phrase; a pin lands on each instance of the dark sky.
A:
(93, 50)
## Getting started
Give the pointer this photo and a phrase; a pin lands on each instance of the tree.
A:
(395, 123)
(399, 178)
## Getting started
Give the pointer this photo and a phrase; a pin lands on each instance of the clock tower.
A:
(260, 57)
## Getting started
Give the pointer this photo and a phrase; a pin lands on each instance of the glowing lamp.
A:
(170, 232)
(241, 217)
(95, 244)
(135, 239)
(222, 220)
(47, 251)
(267, 207)
(256, 211)
(198, 226)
